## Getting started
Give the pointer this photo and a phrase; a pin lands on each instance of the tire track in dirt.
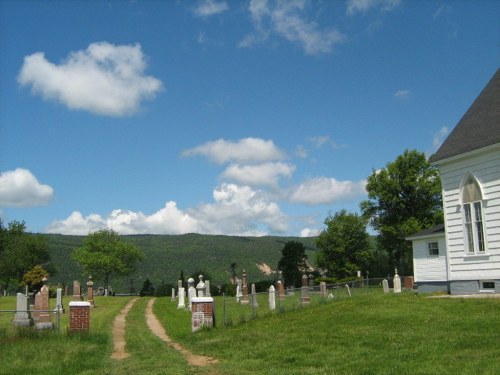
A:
(156, 327)
(119, 351)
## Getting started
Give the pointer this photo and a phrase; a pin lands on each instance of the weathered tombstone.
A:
(202, 313)
(330, 296)
(179, 285)
(322, 289)
(238, 290)
(255, 304)
(244, 289)
(304, 291)
(44, 318)
(385, 285)
(311, 282)
(200, 287)
(59, 304)
(77, 294)
(272, 298)
(22, 317)
(348, 290)
(191, 291)
(182, 296)
(397, 282)
(90, 292)
(207, 289)
(173, 295)
(281, 291)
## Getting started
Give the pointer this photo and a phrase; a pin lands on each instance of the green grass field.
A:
(370, 333)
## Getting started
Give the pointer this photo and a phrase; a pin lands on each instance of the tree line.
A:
(403, 198)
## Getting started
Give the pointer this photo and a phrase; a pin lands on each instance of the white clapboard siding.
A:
(429, 268)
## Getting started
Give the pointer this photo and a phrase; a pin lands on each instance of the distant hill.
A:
(167, 255)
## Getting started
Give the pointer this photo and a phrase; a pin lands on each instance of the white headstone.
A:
(272, 298)
(200, 288)
(191, 295)
(59, 305)
(255, 304)
(22, 317)
(182, 297)
(385, 285)
(348, 290)
(173, 295)
(207, 289)
(397, 282)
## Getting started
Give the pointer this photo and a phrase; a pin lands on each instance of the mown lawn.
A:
(369, 333)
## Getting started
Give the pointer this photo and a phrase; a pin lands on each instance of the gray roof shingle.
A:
(479, 127)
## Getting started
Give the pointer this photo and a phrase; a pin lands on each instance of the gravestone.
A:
(322, 289)
(22, 317)
(191, 291)
(281, 291)
(255, 304)
(304, 291)
(173, 295)
(59, 304)
(44, 318)
(182, 296)
(202, 310)
(207, 289)
(90, 292)
(272, 298)
(238, 290)
(397, 282)
(311, 282)
(179, 285)
(77, 293)
(244, 289)
(385, 285)
(200, 287)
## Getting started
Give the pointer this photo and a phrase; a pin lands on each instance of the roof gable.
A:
(479, 127)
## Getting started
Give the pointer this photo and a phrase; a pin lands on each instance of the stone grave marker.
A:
(238, 290)
(244, 289)
(90, 292)
(77, 293)
(200, 287)
(182, 296)
(22, 318)
(173, 295)
(304, 291)
(191, 292)
(281, 291)
(59, 304)
(272, 298)
(202, 309)
(207, 289)
(44, 318)
(322, 289)
(385, 285)
(255, 304)
(348, 290)
(397, 282)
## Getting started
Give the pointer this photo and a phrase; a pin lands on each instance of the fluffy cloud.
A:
(324, 190)
(245, 150)
(362, 6)
(439, 137)
(104, 79)
(235, 211)
(19, 188)
(262, 174)
(207, 8)
(287, 19)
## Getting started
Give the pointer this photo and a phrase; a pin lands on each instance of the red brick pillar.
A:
(79, 316)
(202, 310)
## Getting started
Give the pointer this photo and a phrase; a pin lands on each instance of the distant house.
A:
(463, 256)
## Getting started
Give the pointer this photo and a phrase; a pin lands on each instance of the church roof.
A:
(478, 128)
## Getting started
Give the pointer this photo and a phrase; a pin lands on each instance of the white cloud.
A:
(245, 150)
(308, 232)
(322, 140)
(262, 174)
(104, 79)
(236, 210)
(402, 94)
(20, 188)
(207, 8)
(323, 190)
(363, 6)
(287, 19)
(439, 137)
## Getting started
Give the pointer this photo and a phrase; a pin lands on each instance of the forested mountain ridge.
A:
(165, 256)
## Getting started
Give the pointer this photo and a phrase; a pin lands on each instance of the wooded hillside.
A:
(167, 255)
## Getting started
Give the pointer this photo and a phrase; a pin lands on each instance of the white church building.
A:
(463, 255)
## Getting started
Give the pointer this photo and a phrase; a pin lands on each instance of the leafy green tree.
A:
(104, 255)
(20, 252)
(293, 263)
(344, 246)
(33, 278)
(403, 198)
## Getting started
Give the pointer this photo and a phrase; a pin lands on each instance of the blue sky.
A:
(224, 117)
